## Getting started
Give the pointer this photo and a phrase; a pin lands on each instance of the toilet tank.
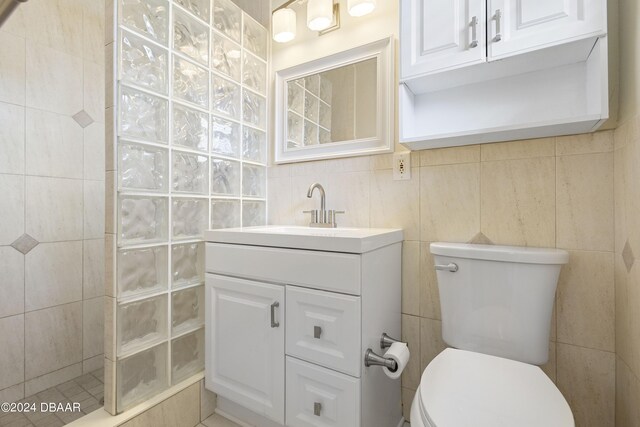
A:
(499, 300)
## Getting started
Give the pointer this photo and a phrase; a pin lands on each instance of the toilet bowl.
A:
(496, 304)
(465, 389)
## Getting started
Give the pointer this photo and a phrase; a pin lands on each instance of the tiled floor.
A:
(216, 420)
(88, 390)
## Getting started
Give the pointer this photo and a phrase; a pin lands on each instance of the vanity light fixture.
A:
(319, 14)
(360, 7)
(323, 16)
(284, 25)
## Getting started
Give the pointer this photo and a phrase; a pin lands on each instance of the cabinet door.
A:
(519, 26)
(441, 34)
(245, 343)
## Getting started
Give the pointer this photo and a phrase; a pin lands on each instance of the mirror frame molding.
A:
(382, 142)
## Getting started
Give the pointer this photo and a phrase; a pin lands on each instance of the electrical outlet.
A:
(402, 166)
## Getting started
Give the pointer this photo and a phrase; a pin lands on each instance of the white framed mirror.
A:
(337, 106)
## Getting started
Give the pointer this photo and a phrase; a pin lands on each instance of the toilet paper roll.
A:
(400, 353)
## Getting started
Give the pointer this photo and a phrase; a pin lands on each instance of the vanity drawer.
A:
(320, 397)
(330, 271)
(324, 328)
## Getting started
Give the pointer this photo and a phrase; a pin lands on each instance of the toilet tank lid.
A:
(521, 254)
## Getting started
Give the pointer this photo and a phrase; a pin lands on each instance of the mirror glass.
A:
(332, 106)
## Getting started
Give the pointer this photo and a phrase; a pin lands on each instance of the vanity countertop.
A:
(349, 240)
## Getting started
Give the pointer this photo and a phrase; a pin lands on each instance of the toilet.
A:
(496, 304)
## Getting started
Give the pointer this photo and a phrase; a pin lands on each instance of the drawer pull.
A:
(317, 331)
(274, 322)
(317, 407)
(452, 267)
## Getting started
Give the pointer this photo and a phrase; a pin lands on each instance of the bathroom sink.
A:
(351, 240)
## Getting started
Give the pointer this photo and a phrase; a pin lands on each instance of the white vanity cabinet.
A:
(476, 71)
(289, 317)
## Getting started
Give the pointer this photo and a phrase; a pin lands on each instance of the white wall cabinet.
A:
(257, 296)
(442, 34)
(540, 68)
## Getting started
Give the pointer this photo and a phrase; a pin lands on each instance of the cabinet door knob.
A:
(474, 32)
(274, 322)
(498, 17)
(317, 407)
(317, 331)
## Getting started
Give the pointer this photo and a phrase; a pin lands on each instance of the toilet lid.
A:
(465, 389)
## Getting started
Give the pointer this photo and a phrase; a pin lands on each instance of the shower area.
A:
(127, 128)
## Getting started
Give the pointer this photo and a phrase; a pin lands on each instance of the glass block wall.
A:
(190, 151)
(309, 111)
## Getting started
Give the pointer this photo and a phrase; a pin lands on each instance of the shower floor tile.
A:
(87, 390)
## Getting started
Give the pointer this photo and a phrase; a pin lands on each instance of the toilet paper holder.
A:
(373, 359)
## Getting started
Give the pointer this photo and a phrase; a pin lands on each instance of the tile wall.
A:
(188, 153)
(627, 272)
(554, 192)
(51, 194)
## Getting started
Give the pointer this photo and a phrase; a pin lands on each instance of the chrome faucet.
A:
(321, 217)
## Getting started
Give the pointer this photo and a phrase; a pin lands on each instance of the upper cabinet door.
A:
(441, 34)
(519, 26)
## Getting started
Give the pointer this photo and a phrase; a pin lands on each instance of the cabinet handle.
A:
(474, 32)
(274, 322)
(317, 407)
(317, 331)
(498, 18)
(452, 267)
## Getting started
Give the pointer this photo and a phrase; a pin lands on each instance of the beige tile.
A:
(543, 147)
(92, 327)
(450, 202)
(11, 208)
(350, 164)
(94, 151)
(216, 420)
(93, 268)
(627, 396)
(110, 386)
(180, 410)
(94, 88)
(622, 313)
(110, 194)
(586, 378)
(12, 354)
(407, 400)
(55, 23)
(93, 363)
(53, 339)
(431, 343)
(94, 208)
(109, 21)
(110, 77)
(620, 191)
(110, 265)
(396, 204)
(279, 206)
(598, 142)
(348, 192)
(585, 202)
(411, 278)
(93, 28)
(110, 151)
(53, 275)
(549, 368)
(12, 268)
(449, 156)
(110, 327)
(53, 145)
(429, 292)
(13, 393)
(633, 310)
(586, 301)
(54, 80)
(518, 201)
(208, 402)
(626, 132)
(411, 335)
(43, 382)
(15, 25)
(61, 199)
(12, 72)
(11, 137)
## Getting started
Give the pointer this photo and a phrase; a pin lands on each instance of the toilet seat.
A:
(466, 389)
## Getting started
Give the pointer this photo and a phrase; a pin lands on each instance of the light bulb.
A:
(284, 25)
(319, 14)
(360, 7)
